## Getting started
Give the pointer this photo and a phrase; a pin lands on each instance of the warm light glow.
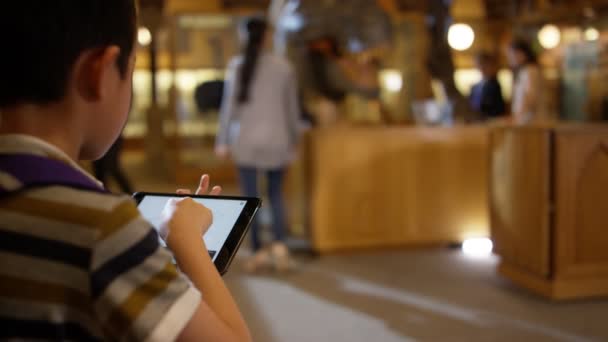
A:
(477, 247)
(549, 36)
(465, 79)
(391, 80)
(592, 34)
(186, 81)
(205, 22)
(461, 36)
(144, 36)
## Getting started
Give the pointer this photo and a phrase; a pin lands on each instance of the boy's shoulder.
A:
(39, 183)
(70, 211)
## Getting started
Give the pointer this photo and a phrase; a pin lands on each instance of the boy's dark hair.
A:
(42, 39)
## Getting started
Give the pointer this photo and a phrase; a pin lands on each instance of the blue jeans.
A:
(249, 186)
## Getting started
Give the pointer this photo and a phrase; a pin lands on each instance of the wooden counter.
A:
(378, 187)
(549, 208)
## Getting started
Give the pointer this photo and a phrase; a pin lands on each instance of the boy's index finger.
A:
(203, 186)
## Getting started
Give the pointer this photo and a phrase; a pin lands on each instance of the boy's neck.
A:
(50, 123)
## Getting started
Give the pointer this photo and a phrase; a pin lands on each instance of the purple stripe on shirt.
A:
(33, 170)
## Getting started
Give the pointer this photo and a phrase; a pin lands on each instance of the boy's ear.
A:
(94, 70)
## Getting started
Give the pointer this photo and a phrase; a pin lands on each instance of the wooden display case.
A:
(371, 187)
(549, 208)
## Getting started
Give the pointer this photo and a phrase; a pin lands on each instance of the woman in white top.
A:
(259, 129)
(526, 104)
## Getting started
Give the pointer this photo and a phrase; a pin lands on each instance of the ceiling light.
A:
(144, 36)
(549, 36)
(592, 34)
(461, 37)
(392, 80)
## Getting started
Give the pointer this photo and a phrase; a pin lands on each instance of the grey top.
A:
(264, 131)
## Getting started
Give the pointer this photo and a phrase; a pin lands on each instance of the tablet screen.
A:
(225, 215)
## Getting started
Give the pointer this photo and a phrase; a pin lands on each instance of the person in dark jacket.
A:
(486, 96)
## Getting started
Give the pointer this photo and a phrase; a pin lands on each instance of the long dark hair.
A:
(255, 29)
(525, 48)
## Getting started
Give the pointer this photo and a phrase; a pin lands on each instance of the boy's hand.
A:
(185, 221)
(203, 187)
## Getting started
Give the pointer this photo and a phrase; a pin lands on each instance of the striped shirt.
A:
(80, 264)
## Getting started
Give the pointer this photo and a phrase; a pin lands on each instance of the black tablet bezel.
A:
(237, 234)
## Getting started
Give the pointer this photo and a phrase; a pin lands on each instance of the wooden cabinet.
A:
(549, 208)
(374, 187)
(520, 197)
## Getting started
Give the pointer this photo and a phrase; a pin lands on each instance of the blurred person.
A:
(259, 129)
(486, 96)
(109, 166)
(336, 76)
(526, 106)
(363, 104)
(325, 57)
(324, 97)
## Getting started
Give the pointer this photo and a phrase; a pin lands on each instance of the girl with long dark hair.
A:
(259, 129)
(526, 105)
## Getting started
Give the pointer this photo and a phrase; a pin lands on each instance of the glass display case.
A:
(191, 50)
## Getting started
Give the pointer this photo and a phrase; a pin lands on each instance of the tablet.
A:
(232, 217)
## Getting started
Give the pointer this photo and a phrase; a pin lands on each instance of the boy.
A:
(77, 263)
